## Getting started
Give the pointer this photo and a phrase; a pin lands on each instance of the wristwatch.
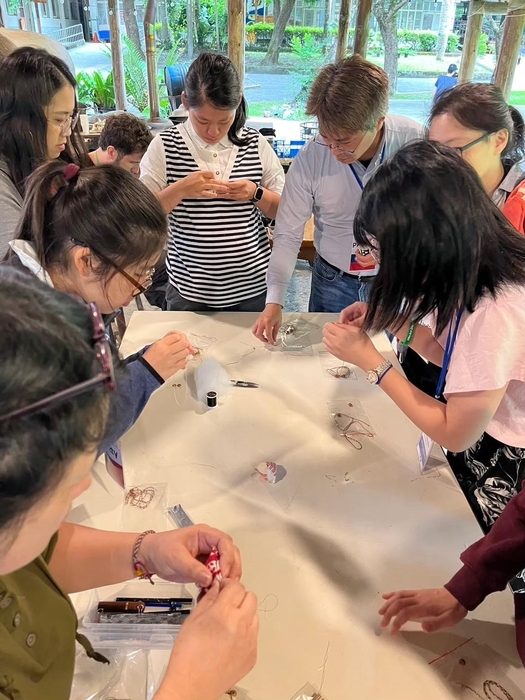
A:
(259, 194)
(374, 376)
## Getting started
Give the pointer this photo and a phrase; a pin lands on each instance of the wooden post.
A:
(116, 55)
(236, 35)
(510, 48)
(362, 27)
(342, 34)
(471, 41)
(189, 27)
(151, 60)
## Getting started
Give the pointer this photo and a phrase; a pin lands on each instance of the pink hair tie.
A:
(71, 172)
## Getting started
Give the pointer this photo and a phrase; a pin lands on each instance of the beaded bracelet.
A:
(138, 567)
(411, 330)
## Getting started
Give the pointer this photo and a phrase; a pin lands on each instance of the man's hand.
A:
(434, 608)
(268, 324)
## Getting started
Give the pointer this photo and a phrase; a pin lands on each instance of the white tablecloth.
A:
(321, 546)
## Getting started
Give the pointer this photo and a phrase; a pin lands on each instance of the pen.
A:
(155, 601)
(247, 385)
(142, 613)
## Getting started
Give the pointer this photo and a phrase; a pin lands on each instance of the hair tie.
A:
(71, 172)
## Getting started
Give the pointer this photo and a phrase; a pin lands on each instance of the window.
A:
(54, 9)
(67, 12)
(73, 6)
(428, 20)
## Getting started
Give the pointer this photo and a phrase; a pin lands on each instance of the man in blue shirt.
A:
(350, 100)
(445, 82)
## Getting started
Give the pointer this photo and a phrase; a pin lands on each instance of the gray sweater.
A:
(10, 209)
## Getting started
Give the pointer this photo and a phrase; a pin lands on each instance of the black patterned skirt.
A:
(490, 473)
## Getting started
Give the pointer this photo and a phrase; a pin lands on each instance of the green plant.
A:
(311, 58)
(452, 43)
(135, 75)
(96, 89)
(85, 88)
(103, 90)
(483, 45)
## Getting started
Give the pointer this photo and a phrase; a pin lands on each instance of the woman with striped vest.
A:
(215, 178)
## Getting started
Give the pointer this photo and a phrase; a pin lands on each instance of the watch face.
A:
(372, 376)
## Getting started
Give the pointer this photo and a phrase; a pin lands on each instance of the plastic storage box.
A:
(105, 635)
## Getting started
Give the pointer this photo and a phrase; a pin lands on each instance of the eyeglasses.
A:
(69, 123)
(139, 288)
(107, 376)
(321, 141)
(462, 149)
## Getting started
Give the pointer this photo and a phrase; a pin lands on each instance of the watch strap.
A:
(382, 369)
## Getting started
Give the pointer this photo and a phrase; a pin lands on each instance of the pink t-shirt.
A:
(489, 353)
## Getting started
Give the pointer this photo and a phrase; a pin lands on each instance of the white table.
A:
(319, 547)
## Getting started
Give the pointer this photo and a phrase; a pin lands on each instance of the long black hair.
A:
(105, 208)
(443, 242)
(482, 107)
(213, 78)
(29, 79)
(46, 345)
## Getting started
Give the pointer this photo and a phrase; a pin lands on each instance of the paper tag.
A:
(424, 448)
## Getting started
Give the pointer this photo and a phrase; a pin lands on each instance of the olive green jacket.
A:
(38, 625)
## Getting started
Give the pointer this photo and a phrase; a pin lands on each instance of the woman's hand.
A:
(177, 555)
(434, 608)
(216, 647)
(354, 315)
(350, 344)
(169, 354)
(267, 325)
(202, 184)
(241, 190)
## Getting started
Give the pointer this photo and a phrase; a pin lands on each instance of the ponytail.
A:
(105, 208)
(238, 123)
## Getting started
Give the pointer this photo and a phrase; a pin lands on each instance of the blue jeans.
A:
(332, 291)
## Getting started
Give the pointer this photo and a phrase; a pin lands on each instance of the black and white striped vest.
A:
(218, 249)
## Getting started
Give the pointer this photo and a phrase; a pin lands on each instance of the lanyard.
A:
(449, 347)
(357, 178)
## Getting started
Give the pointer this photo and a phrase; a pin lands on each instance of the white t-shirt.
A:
(489, 353)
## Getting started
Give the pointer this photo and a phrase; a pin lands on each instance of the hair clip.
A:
(71, 172)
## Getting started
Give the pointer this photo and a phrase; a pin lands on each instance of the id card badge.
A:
(424, 448)
(114, 464)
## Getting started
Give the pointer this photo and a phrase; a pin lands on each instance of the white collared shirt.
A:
(319, 184)
(214, 157)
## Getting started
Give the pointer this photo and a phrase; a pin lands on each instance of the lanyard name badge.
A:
(357, 178)
(425, 444)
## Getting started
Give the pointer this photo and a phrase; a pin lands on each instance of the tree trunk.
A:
(130, 21)
(272, 55)
(165, 34)
(442, 39)
(327, 12)
(276, 10)
(388, 28)
(217, 27)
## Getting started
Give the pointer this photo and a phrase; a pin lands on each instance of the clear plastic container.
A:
(105, 635)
